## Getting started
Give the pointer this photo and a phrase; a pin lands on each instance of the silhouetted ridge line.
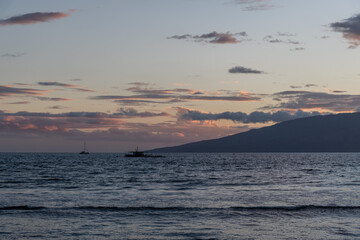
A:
(327, 133)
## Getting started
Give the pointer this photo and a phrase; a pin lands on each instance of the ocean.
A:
(180, 196)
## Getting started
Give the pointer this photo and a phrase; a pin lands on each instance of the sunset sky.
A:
(155, 73)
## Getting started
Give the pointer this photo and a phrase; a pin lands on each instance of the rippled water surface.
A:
(181, 196)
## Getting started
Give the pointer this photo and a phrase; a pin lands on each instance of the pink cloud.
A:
(32, 18)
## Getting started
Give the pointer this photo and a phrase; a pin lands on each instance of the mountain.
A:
(328, 133)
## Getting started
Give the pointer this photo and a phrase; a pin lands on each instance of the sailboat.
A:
(84, 151)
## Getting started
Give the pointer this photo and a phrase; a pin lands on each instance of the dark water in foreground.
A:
(182, 196)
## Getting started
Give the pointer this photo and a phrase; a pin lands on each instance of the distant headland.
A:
(326, 133)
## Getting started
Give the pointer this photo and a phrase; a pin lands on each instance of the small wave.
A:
(238, 208)
(105, 208)
(297, 208)
(24, 207)
(150, 208)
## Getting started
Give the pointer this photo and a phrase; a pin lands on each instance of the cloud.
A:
(255, 5)
(237, 98)
(22, 102)
(311, 85)
(81, 89)
(133, 102)
(297, 49)
(56, 84)
(271, 39)
(240, 69)
(31, 132)
(286, 34)
(121, 113)
(57, 107)
(350, 28)
(306, 85)
(22, 84)
(254, 117)
(54, 99)
(316, 100)
(131, 112)
(213, 37)
(66, 85)
(67, 121)
(336, 91)
(32, 18)
(6, 90)
(146, 94)
(55, 122)
(13, 55)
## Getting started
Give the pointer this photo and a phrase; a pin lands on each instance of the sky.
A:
(121, 74)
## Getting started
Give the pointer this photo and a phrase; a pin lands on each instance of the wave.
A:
(144, 208)
(150, 208)
(298, 208)
(24, 207)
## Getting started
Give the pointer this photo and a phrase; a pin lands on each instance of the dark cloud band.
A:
(254, 117)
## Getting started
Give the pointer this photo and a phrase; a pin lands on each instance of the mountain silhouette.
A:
(327, 133)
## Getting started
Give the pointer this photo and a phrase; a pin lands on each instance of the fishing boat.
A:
(137, 153)
(84, 151)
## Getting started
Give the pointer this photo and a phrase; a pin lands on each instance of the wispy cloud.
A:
(286, 34)
(32, 18)
(121, 113)
(253, 117)
(13, 55)
(57, 107)
(145, 94)
(336, 91)
(138, 102)
(66, 121)
(213, 37)
(350, 28)
(20, 103)
(131, 112)
(6, 90)
(316, 100)
(304, 85)
(240, 69)
(255, 5)
(66, 85)
(297, 49)
(55, 84)
(271, 39)
(310, 85)
(53, 99)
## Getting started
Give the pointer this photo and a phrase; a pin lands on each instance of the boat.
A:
(137, 153)
(84, 151)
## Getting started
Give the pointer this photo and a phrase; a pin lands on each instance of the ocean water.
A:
(181, 196)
